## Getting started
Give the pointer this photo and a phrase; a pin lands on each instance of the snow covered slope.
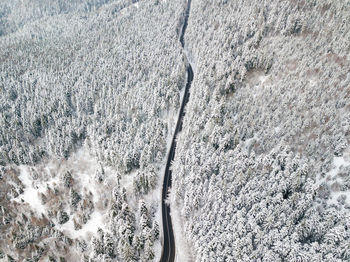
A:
(89, 95)
(257, 174)
(89, 92)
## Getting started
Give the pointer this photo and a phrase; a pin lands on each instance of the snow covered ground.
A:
(31, 192)
(182, 253)
(334, 179)
(84, 176)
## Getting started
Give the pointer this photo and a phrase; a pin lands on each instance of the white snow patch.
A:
(257, 82)
(313, 82)
(182, 253)
(95, 222)
(338, 163)
(67, 228)
(31, 191)
(263, 78)
(332, 177)
(256, 78)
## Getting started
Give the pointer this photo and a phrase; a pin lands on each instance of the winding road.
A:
(168, 251)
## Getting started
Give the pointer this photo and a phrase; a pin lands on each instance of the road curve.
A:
(168, 250)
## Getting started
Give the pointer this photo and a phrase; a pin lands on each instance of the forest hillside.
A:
(90, 92)
(262, 167)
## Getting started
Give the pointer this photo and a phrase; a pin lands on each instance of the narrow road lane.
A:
(168, 252)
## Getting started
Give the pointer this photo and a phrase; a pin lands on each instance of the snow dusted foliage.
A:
(106, 77)
(262, 164)
(14, 14)
(98, 76)
(254, 175)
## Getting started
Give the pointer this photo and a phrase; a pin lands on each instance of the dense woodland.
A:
(254, 172)
(104, 76)
(89, 92)
(106, 82)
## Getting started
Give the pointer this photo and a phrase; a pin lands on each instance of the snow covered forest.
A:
(89, 96)
(262, 168)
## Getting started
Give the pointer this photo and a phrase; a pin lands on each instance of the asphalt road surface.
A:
(168, 251)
